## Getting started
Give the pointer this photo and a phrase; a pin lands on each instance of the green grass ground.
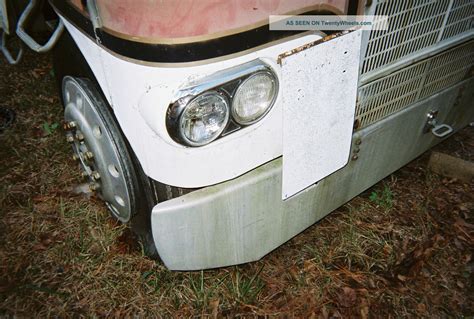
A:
(401, 249)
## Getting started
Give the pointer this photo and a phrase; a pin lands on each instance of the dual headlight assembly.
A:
(222, 103)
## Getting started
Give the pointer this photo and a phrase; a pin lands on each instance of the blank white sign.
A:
(319, 87)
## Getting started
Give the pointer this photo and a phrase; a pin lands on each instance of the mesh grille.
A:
(415, 25)
(460, 19)
(398, 90)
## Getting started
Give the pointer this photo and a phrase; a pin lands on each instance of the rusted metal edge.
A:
(310, 45)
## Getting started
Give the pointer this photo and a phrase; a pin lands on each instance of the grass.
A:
(383, 198)
(401, 249)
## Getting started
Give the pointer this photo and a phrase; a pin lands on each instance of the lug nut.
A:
(75, 157)
(80, 137)
(69, 126)
(88, 155)
(84, 174)
(95, 175)
(93, 187)
(70, 139)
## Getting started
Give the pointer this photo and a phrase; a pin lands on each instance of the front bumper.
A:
(244, 219)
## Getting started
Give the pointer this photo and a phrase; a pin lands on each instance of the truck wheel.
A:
(71, 66)
(105, 159)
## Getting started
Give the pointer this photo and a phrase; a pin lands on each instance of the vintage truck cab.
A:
(219, 139)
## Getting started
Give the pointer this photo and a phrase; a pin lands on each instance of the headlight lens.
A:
(254, 98)
(218, 104)
(204, 118)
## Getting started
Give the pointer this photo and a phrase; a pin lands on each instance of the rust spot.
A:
(356, 124)
(310, 45)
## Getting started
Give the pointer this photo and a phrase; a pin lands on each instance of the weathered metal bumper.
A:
(243, 219)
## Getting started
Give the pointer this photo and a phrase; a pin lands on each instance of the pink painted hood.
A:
(181, 19)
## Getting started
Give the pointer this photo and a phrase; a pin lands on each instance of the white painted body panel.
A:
(140, 95)
(319, 93)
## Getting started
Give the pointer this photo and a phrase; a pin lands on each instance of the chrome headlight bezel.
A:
(225, 83)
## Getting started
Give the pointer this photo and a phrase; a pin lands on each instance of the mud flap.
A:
(319, 88)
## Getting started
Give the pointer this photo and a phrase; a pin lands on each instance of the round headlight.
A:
(204, 118)
(254, 97)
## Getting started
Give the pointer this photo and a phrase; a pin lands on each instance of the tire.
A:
(112, 169)
(68, 62)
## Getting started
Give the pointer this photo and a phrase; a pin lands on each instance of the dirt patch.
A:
(402, 248)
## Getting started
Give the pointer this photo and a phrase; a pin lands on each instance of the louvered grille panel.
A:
(415, 25)
(460, 19)
(400, 89)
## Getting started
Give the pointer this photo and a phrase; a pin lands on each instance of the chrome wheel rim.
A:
(95, 149)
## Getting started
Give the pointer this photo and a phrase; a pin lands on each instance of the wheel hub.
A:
(95, 149)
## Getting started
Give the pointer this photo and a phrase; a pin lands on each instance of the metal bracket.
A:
(441, 130)
(29, 41)
(6, 52)
(438, 130)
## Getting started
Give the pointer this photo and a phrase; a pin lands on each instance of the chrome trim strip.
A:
(221, 77)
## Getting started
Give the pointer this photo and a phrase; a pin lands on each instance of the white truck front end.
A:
(252, 144)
